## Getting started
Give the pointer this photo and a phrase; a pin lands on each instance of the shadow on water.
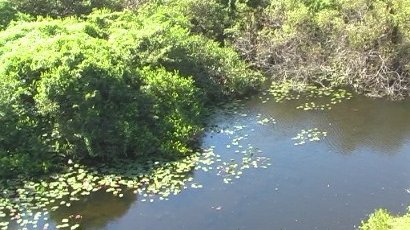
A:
(92, 198)
(96, 211)
(377, 124)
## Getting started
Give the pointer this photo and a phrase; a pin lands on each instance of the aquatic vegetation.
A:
(243, 156)
(266, 120)
(233, 170)
(286, 91)
(130, 89)
(27, 202)
(310, 135)
(313, 97)
(332, 97)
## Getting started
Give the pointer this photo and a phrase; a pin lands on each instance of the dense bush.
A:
(161, 37)
(76, 97)
(363, 44)
(209, 18)
(112, 86)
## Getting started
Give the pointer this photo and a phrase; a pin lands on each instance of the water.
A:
(362, 165)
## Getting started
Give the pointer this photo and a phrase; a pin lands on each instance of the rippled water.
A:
(362, 164)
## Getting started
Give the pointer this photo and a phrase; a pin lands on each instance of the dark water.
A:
(361, 165)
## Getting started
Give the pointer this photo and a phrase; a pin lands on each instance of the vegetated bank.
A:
(360, 44)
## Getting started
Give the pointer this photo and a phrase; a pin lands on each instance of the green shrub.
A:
(87, 101)
(175, 111)
(21, 152)
(208, 18)
(7, 13)
(161, 37)
(116, 85)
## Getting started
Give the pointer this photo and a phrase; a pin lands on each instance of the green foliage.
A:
(61, 8)
(208, 18)
(175, 109)
(7, 14)
(382, 220)
(82, 99)
(115, 85)
(234, 5)
(161, 37)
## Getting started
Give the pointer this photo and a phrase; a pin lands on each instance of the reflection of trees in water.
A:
(378, 124)
(97, 210)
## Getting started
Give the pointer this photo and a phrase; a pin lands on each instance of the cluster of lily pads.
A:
(231, 169)
(334, 96)
(245, 156)
(233, 108)
(314, 97)
(309, 135)
(286, 91)
(265, 120)
(234, 169)
(27, 203)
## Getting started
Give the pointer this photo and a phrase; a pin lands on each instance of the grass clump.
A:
(383, 220)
